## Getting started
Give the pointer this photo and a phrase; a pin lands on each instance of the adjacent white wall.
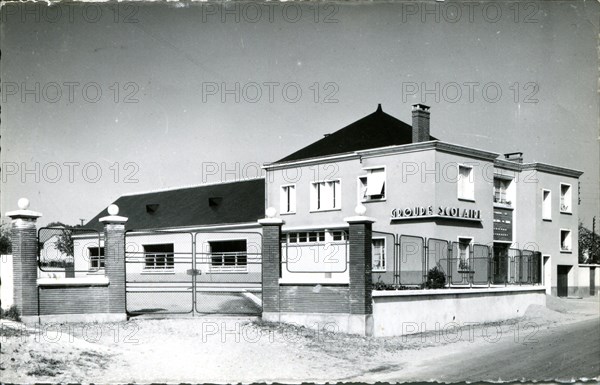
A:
(6, 278)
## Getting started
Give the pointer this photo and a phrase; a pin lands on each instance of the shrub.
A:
(436, 278)
(11, 313)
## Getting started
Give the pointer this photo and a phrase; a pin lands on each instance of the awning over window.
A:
(375, 182)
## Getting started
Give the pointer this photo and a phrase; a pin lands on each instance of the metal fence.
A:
(67, 251)
(463, 264)
(179, 272)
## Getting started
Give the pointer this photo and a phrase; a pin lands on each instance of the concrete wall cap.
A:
(23, 214)
(271, 221)
(360, 219)
(113, 219)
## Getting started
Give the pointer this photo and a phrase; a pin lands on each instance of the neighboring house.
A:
(163, 227)
(414, 184)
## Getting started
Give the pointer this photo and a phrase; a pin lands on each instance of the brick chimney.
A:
(420, 123)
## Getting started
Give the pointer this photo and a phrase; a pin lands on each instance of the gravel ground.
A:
(206, 349)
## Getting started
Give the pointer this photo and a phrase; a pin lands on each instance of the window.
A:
(500, 189)
(287, 199)
(466, 186)
(464, 245)
(96, 257)
(546, 205)
(159, 257)
(372, 186)
(565, 240)
(565, 198)
(378, 252)
(339, 235)
(325, 195)
(228, 255)
(306, 236)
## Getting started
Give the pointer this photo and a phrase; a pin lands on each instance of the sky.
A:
(99, 100)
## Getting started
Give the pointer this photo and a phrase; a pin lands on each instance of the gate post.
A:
(24, 253)
(114, 261)
(271, 264)
(361, 281)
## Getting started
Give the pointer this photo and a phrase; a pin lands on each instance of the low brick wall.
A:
(412, 311)
(73, 300)
(314, 299)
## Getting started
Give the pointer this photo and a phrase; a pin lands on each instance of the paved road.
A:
(563, 352)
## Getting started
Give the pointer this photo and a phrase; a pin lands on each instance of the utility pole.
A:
(594, 256)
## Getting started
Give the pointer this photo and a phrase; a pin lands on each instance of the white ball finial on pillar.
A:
(23, 204)
(113, 209)
(360, 210)
(271, 212)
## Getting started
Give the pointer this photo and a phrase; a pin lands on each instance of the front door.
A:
(562, 280)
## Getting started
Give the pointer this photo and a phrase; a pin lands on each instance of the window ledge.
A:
(466, 199)
(150, 272)
(547, 219)
(378, 271)
(225, 271)
(373, 200)
(566, 251)
(325, 210)
(290, 213)
(567, 212)
(503, 206)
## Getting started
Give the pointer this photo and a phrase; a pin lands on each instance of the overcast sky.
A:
(163, 118)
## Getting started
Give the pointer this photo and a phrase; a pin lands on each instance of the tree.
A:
(589, 245)
(64, 242)
(5, 242)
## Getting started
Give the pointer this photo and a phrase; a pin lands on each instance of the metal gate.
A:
(187, 272)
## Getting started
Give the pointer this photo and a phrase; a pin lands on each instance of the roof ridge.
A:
(183, 187)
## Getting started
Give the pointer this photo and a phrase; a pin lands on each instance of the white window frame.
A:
(506, 199)
(336, 198)
(570, 239)
(287, 201)
(154, 254)
(101, 258)
(227, 268)
(470, 184)
(569, 196)
(468, 249)
(546, 205)
(384, 254)
(362, 183)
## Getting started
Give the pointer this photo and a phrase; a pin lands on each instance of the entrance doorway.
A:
(562, 282)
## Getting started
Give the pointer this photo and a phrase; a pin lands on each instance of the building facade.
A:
(417, 188)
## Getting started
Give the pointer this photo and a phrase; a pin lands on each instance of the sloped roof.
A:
(375, 130)
(214, 204)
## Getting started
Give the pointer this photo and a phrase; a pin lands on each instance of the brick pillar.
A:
(24, 254)
(271, 265)
(114, 261)
(361, 283)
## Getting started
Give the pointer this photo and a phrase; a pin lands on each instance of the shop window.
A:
(325, 195)
(228, 255)
(565, 240)
(159, 257)
(96, 257)
(565, 198)
(378, 252)
(287, 199)
(546, 205)
(466, 185)
(372, 186)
